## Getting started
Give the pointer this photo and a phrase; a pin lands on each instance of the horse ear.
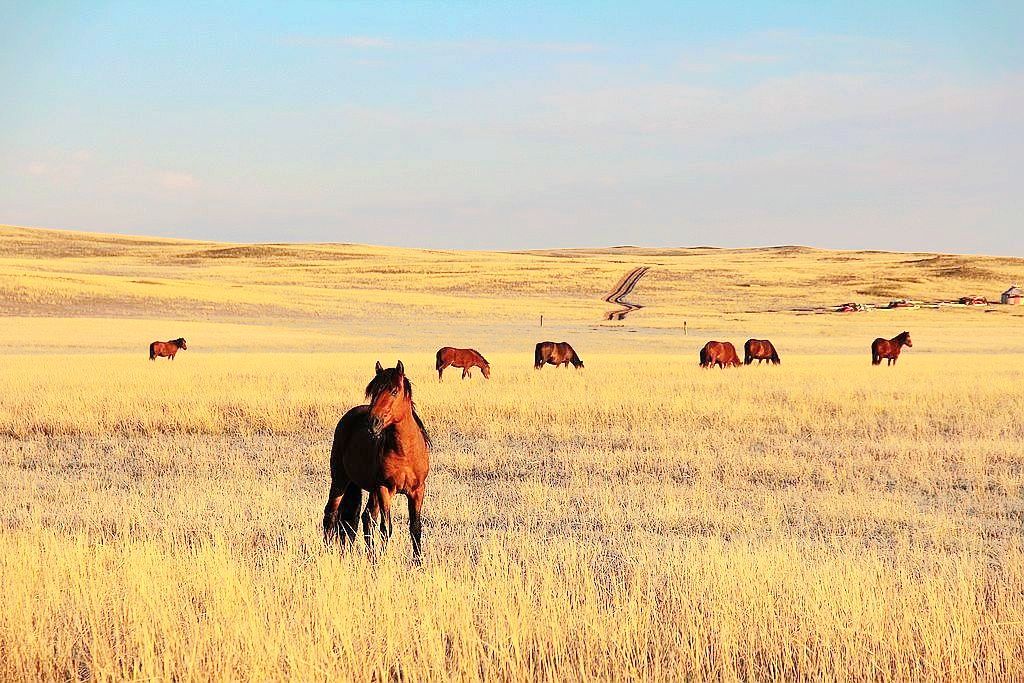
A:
(379, 368)
(400, 368)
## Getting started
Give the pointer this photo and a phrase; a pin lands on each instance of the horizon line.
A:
(763, 247)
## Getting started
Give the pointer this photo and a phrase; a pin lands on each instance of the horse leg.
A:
(384, 499)
(415, 499)
(331, 510)
(465, 372)
(440, 371)
(370, 516)
(348, 515)
(341, 499)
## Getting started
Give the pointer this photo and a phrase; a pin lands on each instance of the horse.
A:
(167, 349)
(381, 447)
(760, 350)
(889, 349)
(467, 359)
(722, 354)
(555, 353)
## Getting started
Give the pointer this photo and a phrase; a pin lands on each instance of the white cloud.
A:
(365, 41)
(444, 46)
(172, 180)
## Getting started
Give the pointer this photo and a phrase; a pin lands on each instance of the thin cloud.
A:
(752, 58)
(356, 42)
(365, 42)
(444, 46)
(60, 164)
(172, 180)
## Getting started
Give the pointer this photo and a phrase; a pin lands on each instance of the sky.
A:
(477, 125)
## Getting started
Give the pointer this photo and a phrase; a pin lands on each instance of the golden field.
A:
(641, 518)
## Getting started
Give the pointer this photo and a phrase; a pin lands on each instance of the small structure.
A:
(973, 301)
(850, 307)
(901, 303)
(1013, 296)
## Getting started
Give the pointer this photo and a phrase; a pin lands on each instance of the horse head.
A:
(180, 341)
(486, 370)
(390, 396)
(905, 337)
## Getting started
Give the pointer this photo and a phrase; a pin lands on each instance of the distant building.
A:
(1012, 296)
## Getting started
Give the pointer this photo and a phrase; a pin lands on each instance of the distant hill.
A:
(64, 273)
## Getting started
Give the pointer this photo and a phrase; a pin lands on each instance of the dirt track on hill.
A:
(617, 295)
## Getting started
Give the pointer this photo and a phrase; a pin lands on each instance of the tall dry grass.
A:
(640, 518)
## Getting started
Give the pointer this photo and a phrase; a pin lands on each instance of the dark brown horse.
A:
(381, 447)
(462, 358)
(760, 350)
(889, 349)
(167, 349)
(555, 353)
(722, 354)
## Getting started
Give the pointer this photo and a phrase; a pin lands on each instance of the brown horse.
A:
(889, 349)
(555, 353)
(467, 359)
(760, 350)
(167, 349)
(722, 354)
(381, 447)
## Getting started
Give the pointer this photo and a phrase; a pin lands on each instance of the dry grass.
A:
(640, 518)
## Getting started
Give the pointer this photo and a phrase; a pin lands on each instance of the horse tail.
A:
(437, 365)
(538, 359)
(704, 356)
(775, 356)
(152, 351)
(876, 358)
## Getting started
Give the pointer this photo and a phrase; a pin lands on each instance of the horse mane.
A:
(382, 382)
(901, 337)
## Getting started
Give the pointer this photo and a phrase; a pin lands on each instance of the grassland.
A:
(640, 518)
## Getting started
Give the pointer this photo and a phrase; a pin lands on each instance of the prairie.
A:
(639, 518)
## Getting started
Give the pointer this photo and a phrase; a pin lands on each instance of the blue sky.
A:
(519, 125)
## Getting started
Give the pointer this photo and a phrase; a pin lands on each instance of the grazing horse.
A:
(167, 349)
(466, 359)
(555, 353)
(722, 354)
(384, 448)
(760, 350)
(889, 349)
